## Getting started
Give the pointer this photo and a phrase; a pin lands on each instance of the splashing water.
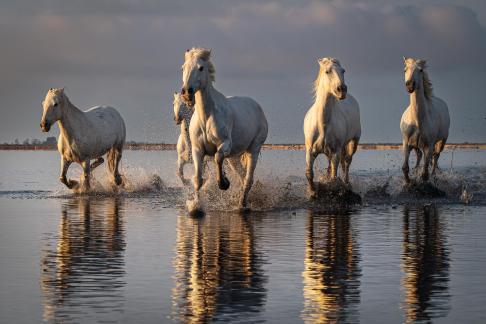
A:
(279, 181)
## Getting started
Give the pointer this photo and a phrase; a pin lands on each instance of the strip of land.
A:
(282, 147)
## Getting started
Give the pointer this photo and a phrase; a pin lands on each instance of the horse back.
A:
(249, 122)
(107, 121)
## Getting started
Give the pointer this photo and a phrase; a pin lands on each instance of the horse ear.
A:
(404, 60)
(175, 94)
(187, 54)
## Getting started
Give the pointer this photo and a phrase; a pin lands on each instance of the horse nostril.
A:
(183, 91)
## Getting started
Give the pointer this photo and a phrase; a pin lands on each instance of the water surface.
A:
(138, 257)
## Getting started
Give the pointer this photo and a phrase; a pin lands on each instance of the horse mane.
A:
(205, 55)
(428, 89)
(57, 92)
(323, 62)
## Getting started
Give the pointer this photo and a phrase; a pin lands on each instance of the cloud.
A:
(266, 42)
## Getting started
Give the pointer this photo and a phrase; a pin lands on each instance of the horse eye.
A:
(344, 70)
(328, 71)
(55, 104)
(201, 68)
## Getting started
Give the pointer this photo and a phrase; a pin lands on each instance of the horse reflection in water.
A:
(218, 269)
(83, 269)
(425, 263)
(332, 274)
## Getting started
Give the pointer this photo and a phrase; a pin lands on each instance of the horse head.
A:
(52, 108)
(414, 73)
(197, 73)
(181, 110)
(331, 76)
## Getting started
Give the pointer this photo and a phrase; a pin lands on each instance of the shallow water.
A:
(135, 256)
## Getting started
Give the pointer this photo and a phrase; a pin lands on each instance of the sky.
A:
(128, 54)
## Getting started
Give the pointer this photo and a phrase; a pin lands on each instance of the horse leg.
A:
(439, 146)
(99, 161)
(343, 162)
(116, 174)
(250, 170)
(180, 169)
(427, 158)
(406, 154)
(349, 151)
(86, 171)
(328, 170)
(64, 168)
(309, 170)
(237, 166)
(418, 153)
(221, 153)
(198, 159)
(335, 159)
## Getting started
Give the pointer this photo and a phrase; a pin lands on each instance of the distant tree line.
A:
(51, 140)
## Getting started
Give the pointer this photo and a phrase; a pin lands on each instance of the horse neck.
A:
(418, 104)
(204, 103)
(185, 125)
(71, 120)
(325, 102)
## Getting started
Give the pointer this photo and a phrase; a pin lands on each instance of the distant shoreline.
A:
(282, 147)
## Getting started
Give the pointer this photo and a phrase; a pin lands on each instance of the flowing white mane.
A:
(323, 62)
(428, 89)
(203, 54)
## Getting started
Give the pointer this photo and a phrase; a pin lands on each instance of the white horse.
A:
(84, 136)
(425, 123)
(221, 126)
(182, 116)
(332, 125)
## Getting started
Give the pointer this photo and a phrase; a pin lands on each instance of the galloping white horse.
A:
(425, 122)
(332, 125)
(84, 136)
(221, 126)
(182, 116)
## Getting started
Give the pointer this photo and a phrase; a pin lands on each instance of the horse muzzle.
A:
(410, 85)
(342, 91)
(189, 100)
(45, 126)
(188, 96)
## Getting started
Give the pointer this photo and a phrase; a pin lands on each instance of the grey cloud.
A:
(261, 48)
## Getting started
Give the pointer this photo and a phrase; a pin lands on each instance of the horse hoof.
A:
(313, 194)
(224, 184)
(72, 184)
(196, 213)
(185, 182)
(244, 210)
(118, 180)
